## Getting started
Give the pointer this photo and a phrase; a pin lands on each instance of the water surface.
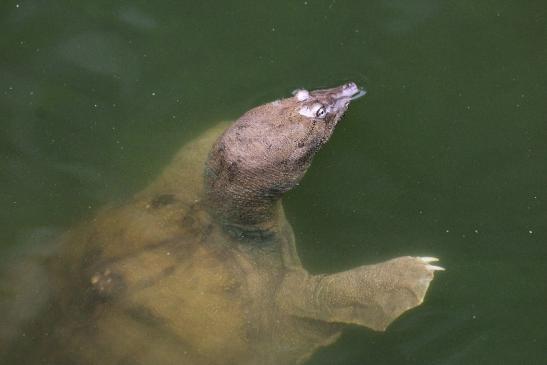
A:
(445, 156)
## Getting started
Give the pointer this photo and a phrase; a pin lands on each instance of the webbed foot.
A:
(372, 295)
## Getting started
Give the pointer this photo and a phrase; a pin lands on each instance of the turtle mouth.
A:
(349, 91)
(343, 95)
(339, 98)
(359, 94)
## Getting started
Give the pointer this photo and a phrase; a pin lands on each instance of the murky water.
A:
(445, 156)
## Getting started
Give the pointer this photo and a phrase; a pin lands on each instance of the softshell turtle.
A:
(201, 266)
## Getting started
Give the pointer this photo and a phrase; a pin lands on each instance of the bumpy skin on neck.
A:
(243, 187)
(267, 151)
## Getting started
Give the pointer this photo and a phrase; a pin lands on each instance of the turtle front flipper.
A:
(372, 295)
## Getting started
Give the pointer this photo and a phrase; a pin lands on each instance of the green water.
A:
(445, 156)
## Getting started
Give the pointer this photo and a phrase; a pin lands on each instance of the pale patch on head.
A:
(301, 94)
(310, 111)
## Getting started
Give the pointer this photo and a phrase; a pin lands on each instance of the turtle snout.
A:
(348, 92)
(349, 89)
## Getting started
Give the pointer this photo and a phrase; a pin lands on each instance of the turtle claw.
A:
(428, 259)
(434, 268)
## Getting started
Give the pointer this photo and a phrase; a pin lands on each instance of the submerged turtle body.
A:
(201, 267)
(163, 282)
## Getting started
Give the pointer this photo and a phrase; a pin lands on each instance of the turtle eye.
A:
(321, 112)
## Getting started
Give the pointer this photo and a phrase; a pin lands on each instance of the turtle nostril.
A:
(350, 85)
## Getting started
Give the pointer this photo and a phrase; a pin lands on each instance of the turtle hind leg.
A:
(372, 295)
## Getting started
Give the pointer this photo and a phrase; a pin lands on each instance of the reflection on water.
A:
(445, 156)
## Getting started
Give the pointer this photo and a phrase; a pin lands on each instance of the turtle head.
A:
(267, 151)
(317, 113)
